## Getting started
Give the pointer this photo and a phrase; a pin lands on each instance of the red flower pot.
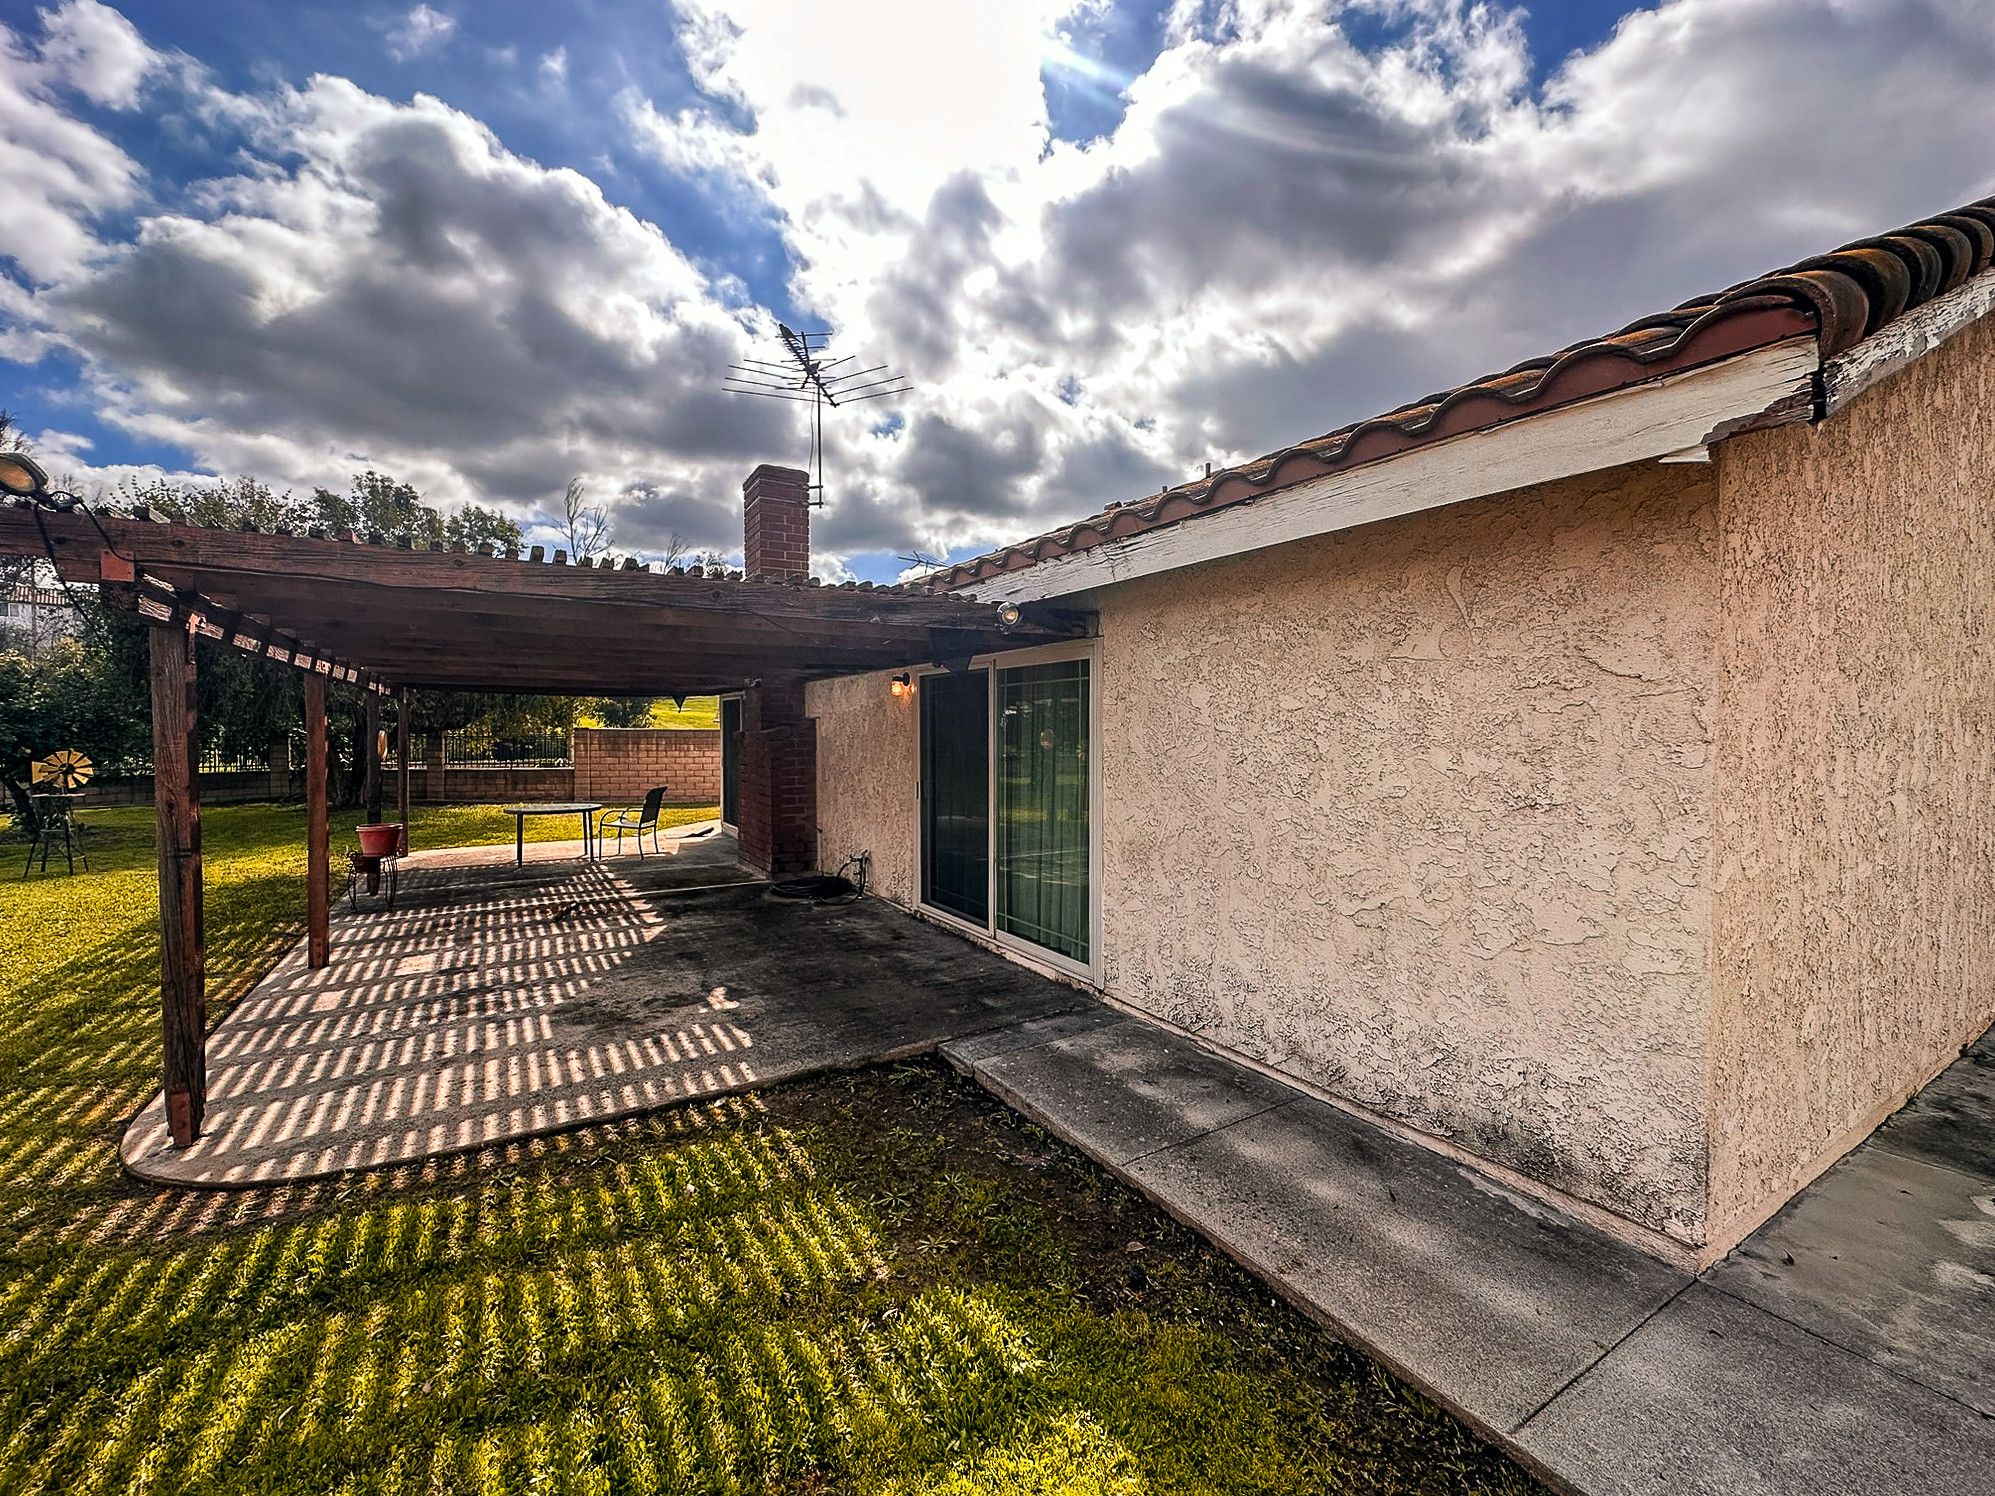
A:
(380, 841)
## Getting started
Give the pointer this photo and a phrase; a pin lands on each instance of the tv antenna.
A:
(806, 376)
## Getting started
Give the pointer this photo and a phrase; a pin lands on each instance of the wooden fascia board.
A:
(1640, 423)
(1905, 340)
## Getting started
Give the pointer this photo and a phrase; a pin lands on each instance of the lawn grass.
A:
(698, 713)
(880, 1283)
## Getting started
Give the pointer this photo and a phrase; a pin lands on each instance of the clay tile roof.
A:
(1840, 298)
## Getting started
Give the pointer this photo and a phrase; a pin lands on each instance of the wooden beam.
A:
(182, 952)
(371, 776)
(318, 893)
(402, 765)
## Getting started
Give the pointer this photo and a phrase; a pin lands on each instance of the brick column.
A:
(775, 520)
(778, 781)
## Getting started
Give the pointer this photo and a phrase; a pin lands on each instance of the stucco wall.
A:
(1853, 933)
(1421, 814)
(868, 744)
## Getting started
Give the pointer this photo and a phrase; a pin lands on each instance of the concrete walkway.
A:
(1847, 1348)
(495, 1002)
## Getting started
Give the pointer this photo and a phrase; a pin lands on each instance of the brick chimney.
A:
(775, 519)
(777, 766)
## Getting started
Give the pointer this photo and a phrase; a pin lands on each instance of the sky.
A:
(492, 247)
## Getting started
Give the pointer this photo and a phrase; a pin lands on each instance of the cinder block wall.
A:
(625, 763)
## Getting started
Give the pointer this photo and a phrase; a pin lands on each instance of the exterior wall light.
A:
(1008, 616)
(901, 685)
(21, 476)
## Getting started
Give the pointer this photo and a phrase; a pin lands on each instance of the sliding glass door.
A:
(956, 793)
(1042, 806)
(1007, 802)
(730, 760)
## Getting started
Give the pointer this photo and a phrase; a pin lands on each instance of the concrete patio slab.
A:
(1952, 1121)
(495, 1002)
(1859, 1368)
(965, 1053)
(1714, 1397)
(1490, 1301)
(1126, 1089)
(1888, 1257)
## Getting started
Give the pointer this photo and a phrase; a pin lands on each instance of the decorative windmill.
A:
(805, 375)
(64, 772)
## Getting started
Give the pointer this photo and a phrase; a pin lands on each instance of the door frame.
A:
(720, 714)
(1025, 950)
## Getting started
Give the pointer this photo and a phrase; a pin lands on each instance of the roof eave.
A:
(1774, 384)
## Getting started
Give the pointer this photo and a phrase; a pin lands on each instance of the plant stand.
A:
(367, 874)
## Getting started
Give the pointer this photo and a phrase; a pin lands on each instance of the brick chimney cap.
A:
(769, 471)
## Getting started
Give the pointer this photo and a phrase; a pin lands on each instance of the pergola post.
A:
(318, 895)
(371, 776)
(402, 765)
(182, 952)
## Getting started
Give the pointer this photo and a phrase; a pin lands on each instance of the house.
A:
(1586, 772)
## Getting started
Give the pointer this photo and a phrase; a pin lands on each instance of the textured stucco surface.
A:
(1853, 943)
(1421, 815)
(868, 747)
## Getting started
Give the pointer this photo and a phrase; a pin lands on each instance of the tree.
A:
(587, 529)
(380, 506)
(623, 711)
(230, 504)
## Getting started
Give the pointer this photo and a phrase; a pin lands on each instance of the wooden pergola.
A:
(382, 620)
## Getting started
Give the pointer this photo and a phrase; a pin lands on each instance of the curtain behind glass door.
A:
(955, 793)
(1042, 806)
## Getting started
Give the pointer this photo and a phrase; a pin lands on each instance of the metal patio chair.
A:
(638, 821)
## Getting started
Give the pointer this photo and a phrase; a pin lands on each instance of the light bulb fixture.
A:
(1008, 616)
(902, 685)
(21, 476)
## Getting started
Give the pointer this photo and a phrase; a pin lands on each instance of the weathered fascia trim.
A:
(1905, 340)
(1768, 386)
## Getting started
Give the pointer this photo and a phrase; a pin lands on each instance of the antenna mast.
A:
(806, 376)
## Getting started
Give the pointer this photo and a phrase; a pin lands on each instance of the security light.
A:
(21, 476)
(1008, 616)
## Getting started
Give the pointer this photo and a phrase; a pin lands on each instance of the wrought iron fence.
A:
(218, 760)
(480, 748)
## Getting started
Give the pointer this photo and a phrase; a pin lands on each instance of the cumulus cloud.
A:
(1289, 230)
(56, 173)
(421, 30)
(403, 291)
(1297, 222)
(97, 52)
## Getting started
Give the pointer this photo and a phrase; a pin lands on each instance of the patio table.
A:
(585, 809)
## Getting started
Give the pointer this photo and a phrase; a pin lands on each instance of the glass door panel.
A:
(1042, 806)
(730, 760)
(955, 793)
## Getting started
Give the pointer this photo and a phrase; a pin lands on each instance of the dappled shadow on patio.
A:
(497, 1002)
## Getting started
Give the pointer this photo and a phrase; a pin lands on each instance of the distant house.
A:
(33, 617)
(1590, 770)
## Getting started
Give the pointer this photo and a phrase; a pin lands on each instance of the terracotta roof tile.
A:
(1840, 298)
